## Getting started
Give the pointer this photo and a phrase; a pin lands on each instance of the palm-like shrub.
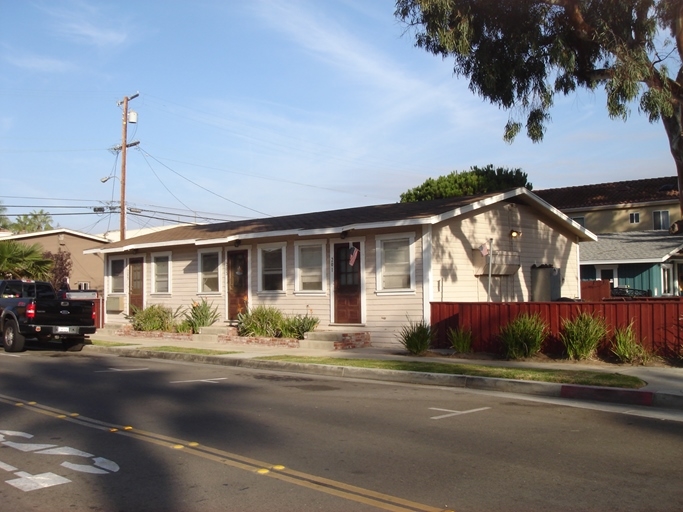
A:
(201, 314)
(153, 318)
(524, 336)
(416, 337)
(626, 347)
(581, 336)
(460, 339)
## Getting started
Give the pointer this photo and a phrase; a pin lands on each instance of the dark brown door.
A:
(347, 303)
(238, 283)
(135, 284)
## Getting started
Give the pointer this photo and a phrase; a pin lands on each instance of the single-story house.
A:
(86, 269)
(366, 269)
(651, 261)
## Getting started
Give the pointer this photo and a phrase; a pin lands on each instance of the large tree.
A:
(520, 53)
(33, 222)
(23, 261)
(478, 180)
(5, 223)
(61, 267)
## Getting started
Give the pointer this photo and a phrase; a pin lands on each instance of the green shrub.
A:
(298, 325)
(523, 336)
(153, 318)
(201, 314)
(582, 335)
(416, 337)
(626, 347)
(260, 321)
(460, 339)
(270, 322)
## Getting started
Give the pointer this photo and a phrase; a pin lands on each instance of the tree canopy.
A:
(519, 54)
(33, 222)
(21, 261)
(478, 180)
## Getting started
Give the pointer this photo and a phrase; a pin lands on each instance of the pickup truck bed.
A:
(32, 310)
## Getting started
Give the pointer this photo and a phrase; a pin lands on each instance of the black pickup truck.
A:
(32, 309)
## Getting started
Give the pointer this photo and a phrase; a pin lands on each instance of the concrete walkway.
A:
(664, 384)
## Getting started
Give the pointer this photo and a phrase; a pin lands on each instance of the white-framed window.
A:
(209, 271)
(309, 264)
(161, 272)
(116, 273)
(271, 267)
(395, 263)
(581, 221)
(661, 219)
(667, 278)
(83, 285)
(634, 218)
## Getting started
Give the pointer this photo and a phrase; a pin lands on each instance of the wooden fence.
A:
(657, 323)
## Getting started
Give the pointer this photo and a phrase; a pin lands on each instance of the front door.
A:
(135, 284)
(238, 283)
(347, 292)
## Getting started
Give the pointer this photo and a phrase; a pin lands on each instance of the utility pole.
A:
(124, 146)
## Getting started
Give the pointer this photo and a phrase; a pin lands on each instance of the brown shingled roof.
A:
(617, 193)
(331, 219)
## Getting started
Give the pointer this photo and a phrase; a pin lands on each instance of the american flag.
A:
(484, 249)
(353, 254)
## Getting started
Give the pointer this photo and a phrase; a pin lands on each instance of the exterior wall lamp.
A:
(515, 234)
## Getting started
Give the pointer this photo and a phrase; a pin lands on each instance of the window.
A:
(310, 275)
(271, 261)
(634, 218)
(581, 221)
(608, 273)
(661, 219)
(395, 263)
(83, 285)
(209, 263)
(161, 273)
(116, 273)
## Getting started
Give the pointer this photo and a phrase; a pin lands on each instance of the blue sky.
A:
(265, 107)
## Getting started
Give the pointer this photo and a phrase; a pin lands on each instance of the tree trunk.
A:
(674, 130)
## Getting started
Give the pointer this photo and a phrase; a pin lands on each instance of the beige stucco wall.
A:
(87, 268)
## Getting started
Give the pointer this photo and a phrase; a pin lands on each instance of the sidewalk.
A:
(664, 384)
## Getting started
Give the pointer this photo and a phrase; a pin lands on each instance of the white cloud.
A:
(83, 23)
(34, 62)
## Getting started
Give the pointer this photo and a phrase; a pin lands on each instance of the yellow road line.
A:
(282, 473)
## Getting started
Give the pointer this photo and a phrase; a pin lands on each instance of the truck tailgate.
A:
(64, 312)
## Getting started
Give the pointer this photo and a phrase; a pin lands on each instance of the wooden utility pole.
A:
(124, 146)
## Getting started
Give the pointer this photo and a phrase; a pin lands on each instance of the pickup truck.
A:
(32, 309)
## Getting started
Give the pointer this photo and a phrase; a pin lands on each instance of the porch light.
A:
(515, 234)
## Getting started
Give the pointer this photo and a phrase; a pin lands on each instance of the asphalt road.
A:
(95, 432)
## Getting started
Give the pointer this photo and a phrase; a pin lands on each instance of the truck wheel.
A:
(73, 344)
(12, 341)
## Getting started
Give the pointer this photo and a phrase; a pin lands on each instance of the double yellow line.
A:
(279, 472)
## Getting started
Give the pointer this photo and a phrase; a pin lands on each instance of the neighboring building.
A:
(637, 205)
(634, 251)
(651, 261)
(368, 269)
(87, 272)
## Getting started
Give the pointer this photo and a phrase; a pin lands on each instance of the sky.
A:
(261, 108)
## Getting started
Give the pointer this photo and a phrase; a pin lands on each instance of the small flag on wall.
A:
(484, 249)
(353, 254)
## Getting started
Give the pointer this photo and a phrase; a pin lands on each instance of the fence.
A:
(657, 324)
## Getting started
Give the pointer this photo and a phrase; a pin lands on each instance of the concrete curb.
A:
(547, 389)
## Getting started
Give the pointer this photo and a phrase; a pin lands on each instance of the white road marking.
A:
(453, 413)
(27, 482)
(7, 467)
(113, 370)
(210, 381)
(9, 355)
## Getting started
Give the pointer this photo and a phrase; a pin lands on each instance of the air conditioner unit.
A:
(114, 304)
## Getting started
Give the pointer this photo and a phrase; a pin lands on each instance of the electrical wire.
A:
(203, 188)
